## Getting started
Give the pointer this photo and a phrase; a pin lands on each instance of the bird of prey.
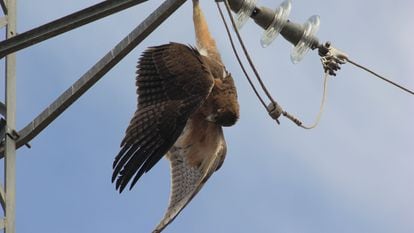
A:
(185, 96)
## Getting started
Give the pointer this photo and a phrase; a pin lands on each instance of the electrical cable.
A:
(246, 53)
(379, 76)
(238, 57)
(323, 101)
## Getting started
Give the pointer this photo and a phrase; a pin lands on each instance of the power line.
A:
(380, 76)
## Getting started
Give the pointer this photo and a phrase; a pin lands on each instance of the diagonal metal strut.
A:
(97, 71)
(64, 24)
(3, 6)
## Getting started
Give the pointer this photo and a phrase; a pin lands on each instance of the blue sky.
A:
(353, 173)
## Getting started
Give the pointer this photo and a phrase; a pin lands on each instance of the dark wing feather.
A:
(173, 81)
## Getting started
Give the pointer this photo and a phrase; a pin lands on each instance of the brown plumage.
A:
(185, 96)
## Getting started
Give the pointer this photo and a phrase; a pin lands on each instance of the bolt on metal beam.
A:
(64, 24)
(95, 73)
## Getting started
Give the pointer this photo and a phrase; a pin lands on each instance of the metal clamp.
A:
(331, 58)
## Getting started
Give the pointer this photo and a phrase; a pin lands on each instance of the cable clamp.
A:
(331, 58)
(275, 111)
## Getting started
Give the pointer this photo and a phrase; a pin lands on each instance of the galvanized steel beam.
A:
(10, 143)
(64, 24)
(97, 71)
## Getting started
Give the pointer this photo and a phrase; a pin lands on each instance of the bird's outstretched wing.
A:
(195, 156)
(173, 82)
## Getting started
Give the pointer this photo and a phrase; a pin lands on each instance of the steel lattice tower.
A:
(11, 139)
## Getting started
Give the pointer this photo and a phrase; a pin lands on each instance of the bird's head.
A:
(224, 101)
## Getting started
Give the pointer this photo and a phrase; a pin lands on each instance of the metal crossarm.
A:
(64, 24)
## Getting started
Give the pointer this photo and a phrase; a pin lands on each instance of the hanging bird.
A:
(185, 96)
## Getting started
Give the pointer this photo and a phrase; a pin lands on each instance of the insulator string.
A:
(331, 60)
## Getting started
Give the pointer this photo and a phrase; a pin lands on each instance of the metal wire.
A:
(238, 57)
(323, 101)
(380, 76)
(226, 3)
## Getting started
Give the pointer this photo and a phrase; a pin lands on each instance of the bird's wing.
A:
(195, 156)
(172, 83)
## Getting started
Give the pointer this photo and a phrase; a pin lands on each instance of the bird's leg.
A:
(205, 41)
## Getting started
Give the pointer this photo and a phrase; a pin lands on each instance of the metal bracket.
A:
(13, 135)
(331, 58)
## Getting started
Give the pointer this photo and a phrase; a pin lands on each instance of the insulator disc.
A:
(245, 12)
(279, 21)
(311, 26)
